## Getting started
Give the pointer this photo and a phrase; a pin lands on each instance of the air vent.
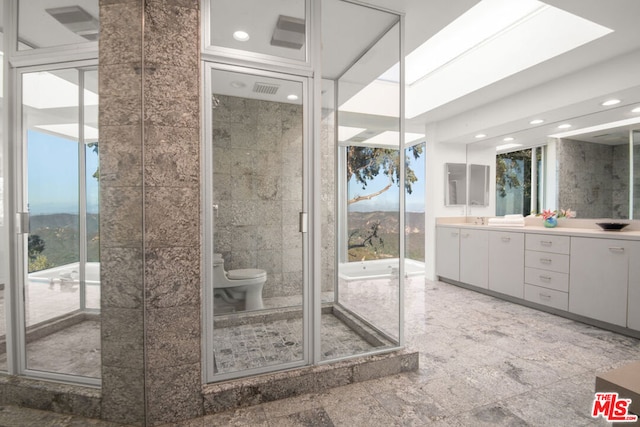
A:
(265, 88)
(289, 32)
(77, 20)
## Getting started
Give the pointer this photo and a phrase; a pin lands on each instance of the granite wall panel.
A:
(257, 150)
(585, 178)
(150, 210)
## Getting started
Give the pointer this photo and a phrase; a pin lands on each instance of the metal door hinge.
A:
(22, 223)
(303, 222)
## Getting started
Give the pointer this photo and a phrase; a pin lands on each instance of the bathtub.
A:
(377, 269)
(68, 272)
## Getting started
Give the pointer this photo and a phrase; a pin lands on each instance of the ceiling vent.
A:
(77, 20)
(265, 88)
(289, 32)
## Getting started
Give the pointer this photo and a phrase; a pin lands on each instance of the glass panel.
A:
(271, 27)
(257, 198)
(92, 176)
(415, 209)
(361, 52)
(636, 175)
(4, 236)
(50, 23)
(59, 336)
(513, 183)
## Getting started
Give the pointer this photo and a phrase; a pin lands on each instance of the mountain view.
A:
(57, 241)
(374, 235)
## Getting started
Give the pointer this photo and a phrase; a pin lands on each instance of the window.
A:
(518, 182)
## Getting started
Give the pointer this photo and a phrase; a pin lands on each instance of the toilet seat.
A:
(245, 273)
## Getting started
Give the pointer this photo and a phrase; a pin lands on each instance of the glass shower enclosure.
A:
(304, 188)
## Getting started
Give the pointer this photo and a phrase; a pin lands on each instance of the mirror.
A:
(594, 176)
(588, 170)
(598, 176)
(479, 185)
(455, 192)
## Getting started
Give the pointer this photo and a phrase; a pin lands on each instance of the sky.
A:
(389, 200)
(53, 175)
(53, 180)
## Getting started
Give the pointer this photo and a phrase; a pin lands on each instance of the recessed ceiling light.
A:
(481, 135)
(508, 139)
(536, 121)
(564, 126)
(292, 97)
(610, 102)
(636, 110)
(241, 36)
(238, 85)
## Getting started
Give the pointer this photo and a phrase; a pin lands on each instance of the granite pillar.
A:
(150, 210)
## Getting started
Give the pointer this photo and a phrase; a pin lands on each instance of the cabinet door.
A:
(598, 279)
(633, 316)
(448, 253)
(506, 263)
(474, 257)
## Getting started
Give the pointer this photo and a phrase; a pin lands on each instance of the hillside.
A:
(61, 237)
(387, 242)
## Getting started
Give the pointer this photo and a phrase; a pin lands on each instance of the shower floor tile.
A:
(280, 341)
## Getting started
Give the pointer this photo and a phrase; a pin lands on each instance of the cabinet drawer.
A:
(548, 297)
(547, 261)
(548, 243)
(547, 279)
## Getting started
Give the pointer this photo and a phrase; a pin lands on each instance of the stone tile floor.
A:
(74, 350)
(484, 362)
(280, 341)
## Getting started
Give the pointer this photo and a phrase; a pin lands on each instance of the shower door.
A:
(59, 240)
(255, 149)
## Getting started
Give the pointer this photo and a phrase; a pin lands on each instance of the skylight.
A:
(46, 90)
(347, 132)
(391, 138)
(491, 41)
(71, 130)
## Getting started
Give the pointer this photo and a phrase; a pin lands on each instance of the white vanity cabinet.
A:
(506, 263)
(599, 278)
(474, 257)
(448, 253)
(582, 273)
(546, 273)
(462, 255)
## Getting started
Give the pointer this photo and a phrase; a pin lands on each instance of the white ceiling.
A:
(567, 87)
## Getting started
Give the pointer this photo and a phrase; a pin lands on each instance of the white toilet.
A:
(235, 285)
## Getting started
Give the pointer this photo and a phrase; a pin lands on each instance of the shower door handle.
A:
(303, 222)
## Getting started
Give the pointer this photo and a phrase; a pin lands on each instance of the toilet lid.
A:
(245, 273)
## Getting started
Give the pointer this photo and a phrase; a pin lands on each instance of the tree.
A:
(94, 145)
(36, 246)
(37, 261)
(513, 170)
(364, 164)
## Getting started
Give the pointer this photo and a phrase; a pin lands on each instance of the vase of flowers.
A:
(550, 218)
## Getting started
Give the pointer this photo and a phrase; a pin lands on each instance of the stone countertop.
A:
(579, 229)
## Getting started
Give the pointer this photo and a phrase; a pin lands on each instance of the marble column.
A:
(150, 210)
